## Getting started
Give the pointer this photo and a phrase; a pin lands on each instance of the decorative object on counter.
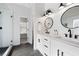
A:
(55, 32)
(47, 32)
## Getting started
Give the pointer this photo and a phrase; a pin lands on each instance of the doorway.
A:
(23, 30)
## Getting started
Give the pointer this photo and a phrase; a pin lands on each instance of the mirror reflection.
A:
(70, 18)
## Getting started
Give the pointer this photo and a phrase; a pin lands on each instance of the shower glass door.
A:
(5, 27)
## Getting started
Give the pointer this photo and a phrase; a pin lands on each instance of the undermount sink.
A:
(72, 40)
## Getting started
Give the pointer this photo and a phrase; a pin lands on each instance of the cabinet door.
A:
(55, 46)
(67, 49)
(66, 53)
(60, 49)
(70, 50)
(52, 47)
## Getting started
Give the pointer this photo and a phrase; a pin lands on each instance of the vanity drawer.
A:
(45, 42)
(46, 51)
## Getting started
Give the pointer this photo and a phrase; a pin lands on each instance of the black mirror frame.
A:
(62, 17)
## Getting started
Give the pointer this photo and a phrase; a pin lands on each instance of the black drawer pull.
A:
(45, 39)
(62, 53)
(46, 46)
(58, 52)
(45, 54)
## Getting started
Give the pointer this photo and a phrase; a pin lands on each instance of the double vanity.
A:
(57, 46)
(60, 33)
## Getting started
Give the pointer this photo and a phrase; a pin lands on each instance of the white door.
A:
(6, 27)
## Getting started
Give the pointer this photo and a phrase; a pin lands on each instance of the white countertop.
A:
(69, 41)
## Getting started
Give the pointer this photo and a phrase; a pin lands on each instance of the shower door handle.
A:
(0, 28)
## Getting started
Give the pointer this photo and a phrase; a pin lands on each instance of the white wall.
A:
(40, 8)
(53, 6)
(19, 11)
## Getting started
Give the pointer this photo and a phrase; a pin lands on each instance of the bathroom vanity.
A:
(56, 46)
(61, 37)
(44, 45)
(67, 43)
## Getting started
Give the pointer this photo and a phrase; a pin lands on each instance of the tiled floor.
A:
(25, 50)
(2, 50)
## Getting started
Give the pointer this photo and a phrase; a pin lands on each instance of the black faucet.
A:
(70, 35)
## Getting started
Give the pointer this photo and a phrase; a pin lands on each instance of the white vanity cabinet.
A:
(43, 45)
(56, 48)
(60, 48)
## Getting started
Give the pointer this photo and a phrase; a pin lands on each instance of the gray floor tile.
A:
(25, 50)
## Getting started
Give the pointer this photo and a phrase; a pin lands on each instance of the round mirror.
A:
(48, 23)
(70, 18)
